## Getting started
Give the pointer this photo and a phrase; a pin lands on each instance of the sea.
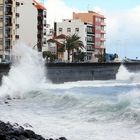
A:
(82, 110)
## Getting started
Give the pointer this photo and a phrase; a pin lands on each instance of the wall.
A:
(67, 72)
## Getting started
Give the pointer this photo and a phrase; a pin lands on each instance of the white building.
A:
(31, 23)
(82, 29)
(21, 21)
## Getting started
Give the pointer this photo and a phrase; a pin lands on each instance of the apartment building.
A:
(21, 21)
(98, 22)
(32, 23)
(8, 26)
(82, 29)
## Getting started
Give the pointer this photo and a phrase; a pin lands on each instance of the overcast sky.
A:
(122, 21)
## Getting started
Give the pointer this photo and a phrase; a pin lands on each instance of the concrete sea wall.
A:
(65, 72)
(68, 72)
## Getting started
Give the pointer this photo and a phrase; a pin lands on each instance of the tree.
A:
(79, 56)
(49, 56)
(72, 43)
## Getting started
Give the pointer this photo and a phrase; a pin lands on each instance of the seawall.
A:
(68, 72)
(65, 72)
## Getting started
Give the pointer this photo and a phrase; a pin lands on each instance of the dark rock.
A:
(27, 125)
(16, 132)
(62, 138)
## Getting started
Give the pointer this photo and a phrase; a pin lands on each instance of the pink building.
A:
(98, 23)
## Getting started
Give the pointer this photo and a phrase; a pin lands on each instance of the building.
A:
(83, 29)
(8, 26)
(98, 23)
(32, 23)
(21, 21)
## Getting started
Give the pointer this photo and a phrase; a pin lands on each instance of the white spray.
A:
(124, 74)
(26, 73)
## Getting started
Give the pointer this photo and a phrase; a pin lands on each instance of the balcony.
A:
(8, 24)
(17, 4)
(40, 17)
(8, 13)
(17, 14)
(103, 24)
(40, 26)
(17, 36)
(17, 26)
(8, 36)
(103, 32)
(102, 39)
(9, 2)
(39, 35)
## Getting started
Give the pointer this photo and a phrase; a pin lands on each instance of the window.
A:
(102, 35)
(98, 19)
(97, 35)
(102, 27)
(1, 42)
(89, 30)
(60, 29)
(89, 38)
(89, 47)
(76, 29)
(68, 29)
(98, 27)
(98, 44)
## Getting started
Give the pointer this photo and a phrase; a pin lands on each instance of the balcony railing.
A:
(102, 39)
(103, 24)
(39, 35)
(40, 26)
(8, 36)
(17, 26)
(17, 14)
(17, 36)
(8, 24)
(8, 2)
(17, 4)
(8, 13)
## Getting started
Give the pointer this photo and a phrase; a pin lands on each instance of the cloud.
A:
(58, 10)
(123, 32)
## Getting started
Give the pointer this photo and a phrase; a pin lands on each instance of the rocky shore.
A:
(17, 132)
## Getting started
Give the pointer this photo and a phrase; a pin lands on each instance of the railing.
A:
(8, 2)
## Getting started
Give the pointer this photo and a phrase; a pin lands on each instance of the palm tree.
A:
(72, 43)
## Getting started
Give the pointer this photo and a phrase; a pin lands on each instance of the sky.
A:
(122, 21)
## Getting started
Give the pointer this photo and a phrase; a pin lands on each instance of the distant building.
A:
(82, 29)
(98, 23)
(21, 21)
